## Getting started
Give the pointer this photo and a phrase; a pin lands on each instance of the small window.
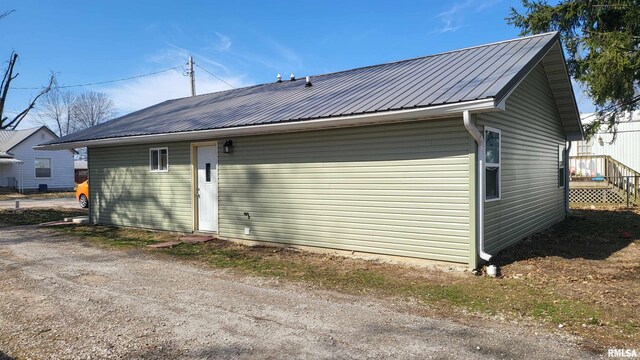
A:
(492, 167)
(584, 148)
(207, 173)
(159, 159)
(561, 167)
(43, 168)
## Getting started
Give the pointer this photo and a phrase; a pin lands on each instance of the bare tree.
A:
(55, 110)
(91, 108)
(68, 112)
(5, 122)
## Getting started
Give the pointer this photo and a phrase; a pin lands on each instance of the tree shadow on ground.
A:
(4, 356)
(585, 234)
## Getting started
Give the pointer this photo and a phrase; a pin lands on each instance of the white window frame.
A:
(158, 149)
(584, 148)
(561, 154)
(35, 174)
(498, 164)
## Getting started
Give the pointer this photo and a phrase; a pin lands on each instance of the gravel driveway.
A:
(70, 203)
(63, 299)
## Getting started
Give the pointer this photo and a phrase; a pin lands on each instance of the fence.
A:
(602, 179)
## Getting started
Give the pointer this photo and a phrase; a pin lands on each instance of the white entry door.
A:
(207, 188)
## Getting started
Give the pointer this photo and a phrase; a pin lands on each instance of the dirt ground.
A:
(592, 258)
(66, 299)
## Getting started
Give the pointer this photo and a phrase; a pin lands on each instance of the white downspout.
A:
(567, 177)
(480, 179)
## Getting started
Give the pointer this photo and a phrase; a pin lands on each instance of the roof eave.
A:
(571, 123)
(438, 111)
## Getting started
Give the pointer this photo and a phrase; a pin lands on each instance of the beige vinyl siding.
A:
(399, 189)
(122, 190)
(531, 132)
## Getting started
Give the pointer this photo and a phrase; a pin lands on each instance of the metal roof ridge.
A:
(373, 66)
(440, 53)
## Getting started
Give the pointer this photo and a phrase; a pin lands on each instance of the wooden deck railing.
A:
(606, 168)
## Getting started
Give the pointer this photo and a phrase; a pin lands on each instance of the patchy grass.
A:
(591, 264)
(32, 216)
(115, 237)
(581, 277)
(47, 195)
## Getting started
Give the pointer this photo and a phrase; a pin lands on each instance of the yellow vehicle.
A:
(82, 194)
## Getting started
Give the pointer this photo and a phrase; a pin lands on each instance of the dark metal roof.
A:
(486, 71)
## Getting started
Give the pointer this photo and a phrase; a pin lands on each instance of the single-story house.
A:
(448, 157)
(24, 168)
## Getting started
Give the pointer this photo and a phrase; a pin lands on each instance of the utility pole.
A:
(193, 77)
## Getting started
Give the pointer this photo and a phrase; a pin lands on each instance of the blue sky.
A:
(242, 42)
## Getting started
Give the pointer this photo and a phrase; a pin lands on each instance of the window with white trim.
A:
(583, 148)
(561, 167)
(42, 168)
(159, 159)
(492, 164)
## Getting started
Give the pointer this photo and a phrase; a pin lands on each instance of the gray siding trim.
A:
(398, 189)
(123, 191)
(531, 132)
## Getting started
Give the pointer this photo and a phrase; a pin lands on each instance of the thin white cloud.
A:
(283, 51)
(456, 8)
(453, 18)
(224, 42)
(176, 55)
(279, 56)
(447, 27)
(199, 58)
(147, 91)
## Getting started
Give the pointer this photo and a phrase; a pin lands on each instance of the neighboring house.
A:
(81, 171)
(24, 168)
(394, 159)
(625, 148)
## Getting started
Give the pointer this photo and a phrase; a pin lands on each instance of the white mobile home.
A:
(623, 147)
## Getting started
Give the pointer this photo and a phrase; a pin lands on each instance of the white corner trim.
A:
(446, 110)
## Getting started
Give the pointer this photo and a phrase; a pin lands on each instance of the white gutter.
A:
(480, 179)
(343, 121)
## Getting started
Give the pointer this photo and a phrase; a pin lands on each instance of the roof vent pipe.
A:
(279, 78)
(292, 77)
(307, 82)
(480, 179)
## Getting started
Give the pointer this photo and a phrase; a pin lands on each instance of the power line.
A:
(102, 82)
(210, 73)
